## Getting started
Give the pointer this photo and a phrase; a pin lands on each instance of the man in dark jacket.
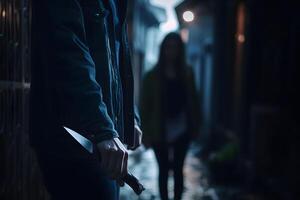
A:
(81, 79)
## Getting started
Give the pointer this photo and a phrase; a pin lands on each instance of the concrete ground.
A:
(143, 165)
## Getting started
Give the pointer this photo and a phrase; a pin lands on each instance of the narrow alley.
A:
(204, 91)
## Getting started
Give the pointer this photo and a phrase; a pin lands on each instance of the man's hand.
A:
(137, 137)
(114, 157)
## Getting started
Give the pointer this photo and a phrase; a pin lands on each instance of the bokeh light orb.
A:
(188, 16)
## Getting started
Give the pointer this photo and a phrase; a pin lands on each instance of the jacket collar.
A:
(122, 7)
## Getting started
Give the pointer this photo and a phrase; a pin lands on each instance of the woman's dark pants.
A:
(165, 163)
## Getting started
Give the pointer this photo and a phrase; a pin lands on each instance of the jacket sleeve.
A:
(137, 117)
(71, 71)
(146, 108)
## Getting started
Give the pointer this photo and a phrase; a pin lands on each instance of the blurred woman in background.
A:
(170, 112)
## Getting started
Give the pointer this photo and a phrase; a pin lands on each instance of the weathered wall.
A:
(19, 175)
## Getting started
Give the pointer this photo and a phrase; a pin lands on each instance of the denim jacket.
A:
(75, 82)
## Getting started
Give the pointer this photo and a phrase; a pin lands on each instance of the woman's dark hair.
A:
(181, 52)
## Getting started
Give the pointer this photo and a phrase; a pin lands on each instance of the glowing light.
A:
(184, 34)
(188, 16)
(241, 38)
(3, 13)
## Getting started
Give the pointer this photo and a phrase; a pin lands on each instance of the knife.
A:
(129, 179)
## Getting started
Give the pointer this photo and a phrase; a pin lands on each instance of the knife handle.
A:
(131, 181)
(134, 183)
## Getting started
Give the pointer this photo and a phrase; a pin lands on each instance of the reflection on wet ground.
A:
(143, 165)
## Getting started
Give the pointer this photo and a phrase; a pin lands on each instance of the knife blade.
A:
(129, 179)
(86, 143)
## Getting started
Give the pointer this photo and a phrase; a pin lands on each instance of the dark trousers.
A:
(76, 178)
(171, 157)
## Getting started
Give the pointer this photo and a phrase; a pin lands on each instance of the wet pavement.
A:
(143, 165)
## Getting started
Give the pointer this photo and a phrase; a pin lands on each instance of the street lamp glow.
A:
(241, 38)
(188, 16)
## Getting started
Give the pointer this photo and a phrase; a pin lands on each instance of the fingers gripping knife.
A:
(129, 179)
